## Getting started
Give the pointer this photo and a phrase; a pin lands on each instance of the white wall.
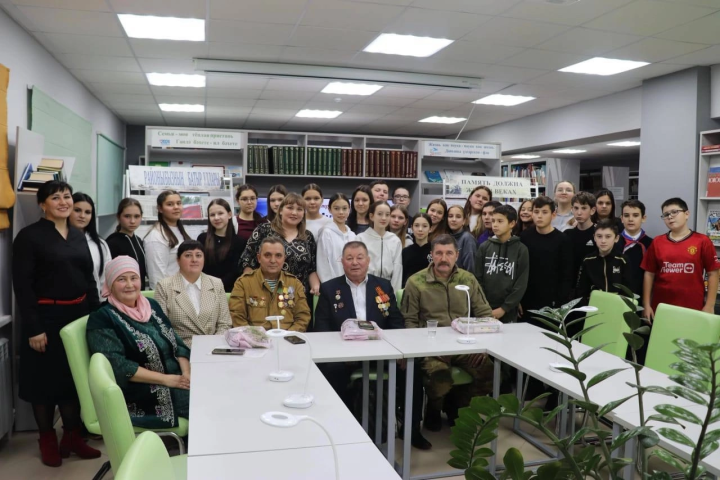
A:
(611, 114)
(715, 91)
(30, 64)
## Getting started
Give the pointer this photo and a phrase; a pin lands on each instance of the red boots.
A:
(72, 441)
(49, 452)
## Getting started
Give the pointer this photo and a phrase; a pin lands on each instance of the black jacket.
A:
(602, 273)
(121, 244)
(330, 315)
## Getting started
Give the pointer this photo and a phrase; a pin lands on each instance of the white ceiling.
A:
(516, 46)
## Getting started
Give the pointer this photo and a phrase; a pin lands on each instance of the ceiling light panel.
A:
(344, 88)
(407, 45)
(569, 150)
(603, 66)
(525, 157)
(176, 80)
(503, 100)
(624, 144)
(181, 107)
(318, 113)
(446, 120)
(163, 28)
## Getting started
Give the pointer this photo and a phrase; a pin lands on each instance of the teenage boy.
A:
(603, 269)
(550, 253)
(502, 266)
(583, 234)
(675, 263)
(380, 191)
(634, 242)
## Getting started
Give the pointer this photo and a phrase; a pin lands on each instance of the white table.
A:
(360, 461)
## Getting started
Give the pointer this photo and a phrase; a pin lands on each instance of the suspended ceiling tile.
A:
(544, 59)
(167, 65)
(135, 107)
(188, 92)
(319, 56)
(652, 70)
(183, 100)
(273, 115)
(648, 17)
(147, 48)
(238, 82)
(701, 3)
(86, 44)
(486, 7)
(338, 38)
(253, 33)
(340, 100)
(573, 14)
(505, 73)
(231, 102)
(349, 15)
(655, 50)
(707, 56)
(95, 5)
(439, 105)
(594, 82)
(366, 109)
(390, 101)
(286, 95)
(120, 88)
(477, 52)
(515, 32)
(233, 93)
(263, 11)
(705, 30)
(436, 23)
(227, 111)
(119, 99)
(296, 84)
(80, 22)
(280, 105)
(585, 41)
(404, 92)
(98, 62)
(101, 76)
(174, 8)
(248, 52)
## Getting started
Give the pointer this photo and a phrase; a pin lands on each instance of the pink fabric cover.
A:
(350, 331)
(247, 337)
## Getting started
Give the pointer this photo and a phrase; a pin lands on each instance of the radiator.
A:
(6, 395)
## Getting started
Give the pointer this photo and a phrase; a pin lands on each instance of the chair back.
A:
(78, 355)
(228, 295)
(398, 296)
(111, 410)
(148, 293)
(610, 315)
(673, 322)
(146, 459)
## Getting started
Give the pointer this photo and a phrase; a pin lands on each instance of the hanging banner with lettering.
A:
(214, 140)
(202, 179)
(457, 149)
(501, 187)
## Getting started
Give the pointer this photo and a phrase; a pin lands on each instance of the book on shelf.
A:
(713, 226)
(391, 163)
(710, 149)
(48, 169)
(334, 162)
(263, 160)
(536, 173)
(713, 182)
(433, 177)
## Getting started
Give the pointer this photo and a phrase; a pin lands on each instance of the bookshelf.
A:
(535, 171)
(707, 203)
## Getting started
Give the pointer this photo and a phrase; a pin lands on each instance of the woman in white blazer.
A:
(195, 303)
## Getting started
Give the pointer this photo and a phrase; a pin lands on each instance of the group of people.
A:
(351, 264)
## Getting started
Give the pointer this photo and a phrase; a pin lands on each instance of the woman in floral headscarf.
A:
(150, 362)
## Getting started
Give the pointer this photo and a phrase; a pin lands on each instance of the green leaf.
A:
(636, 366)
(584, 331)
(514, 464)
(565, 357)
(669, 458)
(534, 414)
(712, 436)
(577, 320)
(485, 437)
(686, 343)
(569, 442)
(463, 455)
(626, 292)
(550, 415)
(485, 405)
(664, 419)
(585, 355)
(607, 408)
(687, 394)
(509, 403)
(551, 325)
(536, 399)
(602, 376)
(691, 383)
(698, 472)
(573, 373)
(549, 471)
(558, 339)
(655, 475)
(483, 452)
(644, 330)
(679, 413)
(675, 436)
(457, 463)
(708, 448)
(589, 406)
(478, 473)
(635, 341)
(479, 462)
(649, 439)
(623, 438)
(631, 318)
(691, 370)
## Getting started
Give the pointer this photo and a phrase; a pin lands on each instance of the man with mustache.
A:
(430, 294)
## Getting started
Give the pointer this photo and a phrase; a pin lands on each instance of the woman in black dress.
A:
(54, 285)
(222, 246)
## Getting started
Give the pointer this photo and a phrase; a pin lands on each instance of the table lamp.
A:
(287, 420)
(466, 339)
(301, 400)
(277, 333)
(556, 365)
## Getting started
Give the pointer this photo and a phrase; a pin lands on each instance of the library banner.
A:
(458, 149)
(215, 140)
(201, 179)
(502, 187)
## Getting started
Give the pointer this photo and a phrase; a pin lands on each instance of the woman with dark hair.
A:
(525, 220)
(332, 239)
(314, 220)
(222, 247)
(248, 219)
(486, 219)
(54, 285)
(605, 208)
(82, 217)
(162, 240)
(275, 196)
(473, 209)
(124, 241)
(300, 246)
(438, 212)
(416, 257)
(359, 204)
(194, 302)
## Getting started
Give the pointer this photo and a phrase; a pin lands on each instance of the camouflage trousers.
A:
(438, 382)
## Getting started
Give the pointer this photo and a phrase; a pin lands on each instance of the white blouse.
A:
(95, 253)
(160, 259)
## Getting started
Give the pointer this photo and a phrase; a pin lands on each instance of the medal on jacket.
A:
(383, 301)
(286, 298)
(253, 301)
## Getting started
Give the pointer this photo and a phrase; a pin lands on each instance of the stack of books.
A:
(713, 182)
(710, 149)
(335, 162)
(48, 169)
(391, 164)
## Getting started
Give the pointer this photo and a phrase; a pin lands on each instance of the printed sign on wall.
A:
(502, 187)
(216, 140)
(442, 148)
(180, 179)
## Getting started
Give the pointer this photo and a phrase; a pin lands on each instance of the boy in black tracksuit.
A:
(603, 269)
(633, 242)
(582, 235)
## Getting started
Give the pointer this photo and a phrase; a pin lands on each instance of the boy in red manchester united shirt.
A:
(675, 263)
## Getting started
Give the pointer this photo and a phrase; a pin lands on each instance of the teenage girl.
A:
(473, 209)
(564, 218)
(332, 239)
(161, 242)
(222, 246)
(605, 208)
(383, 246)
(276, 195)
(467, 245)
(486, 219)
(314, 220)
(82, 217)
(437, 211)
(248, 219)
(524, 217)
(360, 203)
(416, 257)
(399, 219)
(124, 241)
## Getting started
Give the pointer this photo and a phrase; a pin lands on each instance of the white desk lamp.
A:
(277, 333)
(287, 420)
(301, 400)
(466, 339)
(555, 366)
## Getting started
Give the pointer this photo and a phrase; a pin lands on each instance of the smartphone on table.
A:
(294, 339)
(365, 325)
(228, 351)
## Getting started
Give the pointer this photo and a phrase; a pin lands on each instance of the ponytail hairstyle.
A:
(291, 198)
(210, 239)
(352, 222)
(274, 189)
(91, 228)
(162, 224)
(402, 234)
(442, 226)
(125, 203)
(244, 188)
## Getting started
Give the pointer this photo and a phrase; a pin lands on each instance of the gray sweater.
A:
(467, 247)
